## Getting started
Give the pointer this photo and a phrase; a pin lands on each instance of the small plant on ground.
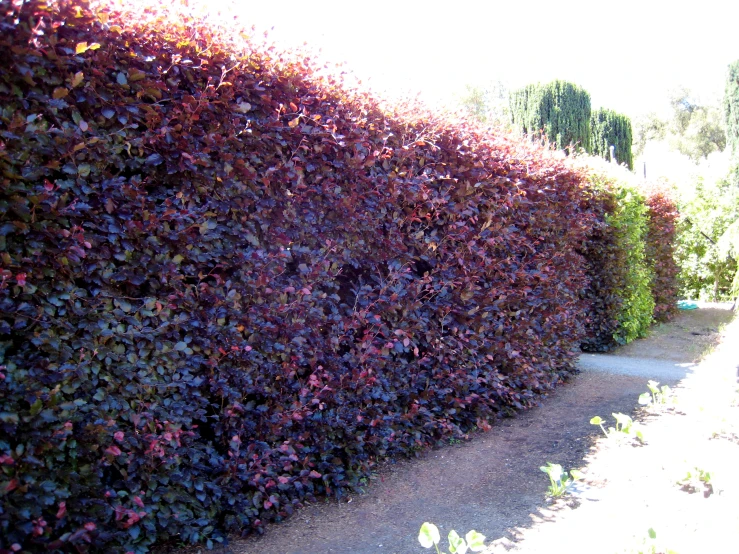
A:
(657, 396)
(429, 536)
(649, 545)
(559, 479)
(625, 427)
(697, 479)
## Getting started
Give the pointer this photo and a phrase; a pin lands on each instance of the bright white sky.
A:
(627, 54)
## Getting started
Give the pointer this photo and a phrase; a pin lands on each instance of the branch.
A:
(709, 239)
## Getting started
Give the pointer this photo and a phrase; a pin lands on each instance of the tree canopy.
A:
(695, 127)
(559, 110)
(487, 104)
(731, 107)
(611, 129)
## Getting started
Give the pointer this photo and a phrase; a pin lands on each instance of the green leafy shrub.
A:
(620, 274)
(708, 240)
(230, 284)
(630, 223)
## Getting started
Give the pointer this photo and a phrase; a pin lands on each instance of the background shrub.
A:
(708, 215)
(229, 284)
(608, 129)
(559, 110)
(731, 109)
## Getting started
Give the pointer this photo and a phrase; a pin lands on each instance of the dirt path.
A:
(492, 483)
(630, 487)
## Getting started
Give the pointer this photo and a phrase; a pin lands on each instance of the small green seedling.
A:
(656, 396)
(649, 546)
(429, 536)
(625, 426)
(693, 480)
(559, 479)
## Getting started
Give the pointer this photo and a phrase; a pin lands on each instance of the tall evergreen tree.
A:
(609, 128)
(558, 110)
(731, 108)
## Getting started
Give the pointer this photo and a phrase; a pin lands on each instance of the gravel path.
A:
(629, 490)
(667, 372)
(492, 483)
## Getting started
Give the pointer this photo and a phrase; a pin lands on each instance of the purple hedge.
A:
(660, 248)
(230, 286)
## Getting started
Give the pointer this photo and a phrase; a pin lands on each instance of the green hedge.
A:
(621, 276)
(631, 223)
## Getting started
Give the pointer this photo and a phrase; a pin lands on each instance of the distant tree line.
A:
(731, 108)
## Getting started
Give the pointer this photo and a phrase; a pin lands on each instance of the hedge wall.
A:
(608, 129)
(660, 246)
(621, 275)
(229, 284)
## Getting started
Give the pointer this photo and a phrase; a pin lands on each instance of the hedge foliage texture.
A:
(229, 284)
(660, 248)
(620, 269)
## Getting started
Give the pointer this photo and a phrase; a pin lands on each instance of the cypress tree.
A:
(609, 128)
(558, 110)
(731, 108)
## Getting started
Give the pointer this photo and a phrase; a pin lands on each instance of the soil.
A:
(492, 483)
